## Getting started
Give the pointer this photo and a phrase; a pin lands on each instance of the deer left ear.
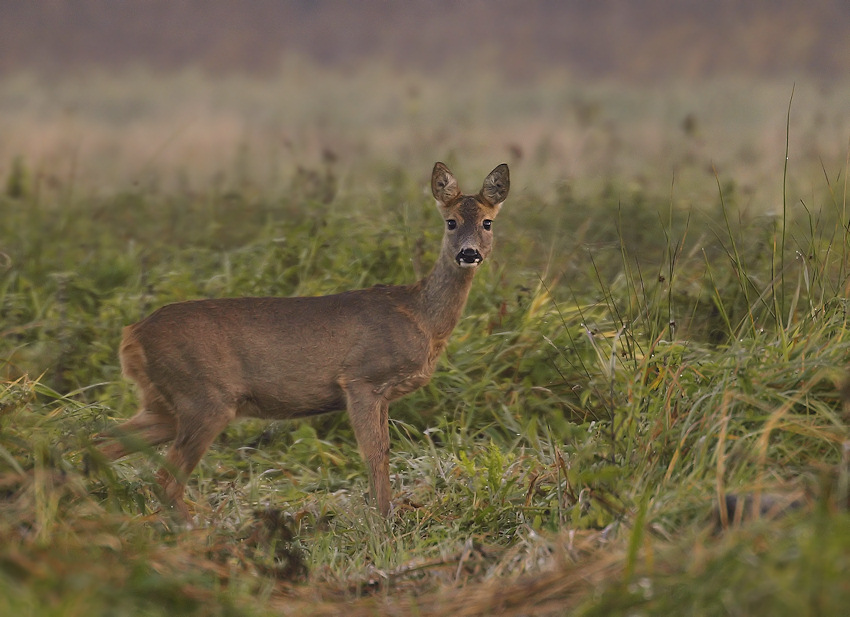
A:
(496, 186)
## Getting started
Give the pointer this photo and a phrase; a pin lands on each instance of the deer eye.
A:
(487, 224)
(451, 223)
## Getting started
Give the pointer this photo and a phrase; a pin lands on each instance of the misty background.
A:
(101, 95)
(646, 39)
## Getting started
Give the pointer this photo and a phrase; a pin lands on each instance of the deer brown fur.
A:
(201, 364)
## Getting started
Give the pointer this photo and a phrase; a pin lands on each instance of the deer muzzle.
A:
(468, 258)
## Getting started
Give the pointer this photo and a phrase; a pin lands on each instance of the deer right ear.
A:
(443, 184)
(496, 186)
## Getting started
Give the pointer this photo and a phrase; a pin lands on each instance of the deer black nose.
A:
(468, 257)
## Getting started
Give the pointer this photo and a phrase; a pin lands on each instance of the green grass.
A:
(626, 360)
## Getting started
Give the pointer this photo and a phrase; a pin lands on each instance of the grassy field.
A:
(663, 324)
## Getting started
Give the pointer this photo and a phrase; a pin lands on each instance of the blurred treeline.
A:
(617, 39)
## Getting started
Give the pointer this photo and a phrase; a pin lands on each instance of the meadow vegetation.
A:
(663, 324)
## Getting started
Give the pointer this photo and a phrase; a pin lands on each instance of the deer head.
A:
(469, 218)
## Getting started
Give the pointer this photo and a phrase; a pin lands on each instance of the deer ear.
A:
(496, 186)
(443, 184)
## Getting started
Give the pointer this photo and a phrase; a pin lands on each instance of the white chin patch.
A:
(464, 264)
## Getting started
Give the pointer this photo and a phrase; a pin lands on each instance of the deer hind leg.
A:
(150, 427)
(196, 431)
(369, 413)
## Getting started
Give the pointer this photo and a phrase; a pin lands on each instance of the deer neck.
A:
(442, 296)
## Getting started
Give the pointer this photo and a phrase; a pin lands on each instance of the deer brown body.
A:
(201, 364)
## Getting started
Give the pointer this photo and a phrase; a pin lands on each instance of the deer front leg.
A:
(369, 413)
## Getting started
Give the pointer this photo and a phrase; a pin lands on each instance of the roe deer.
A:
(200, 364)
